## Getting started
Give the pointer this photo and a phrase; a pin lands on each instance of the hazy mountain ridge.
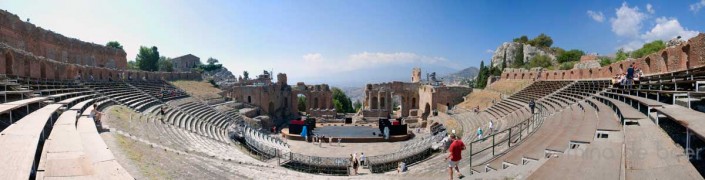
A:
(457, 77)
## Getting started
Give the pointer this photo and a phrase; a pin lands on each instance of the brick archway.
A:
(664, 56)
(685, 52)
(9, 61)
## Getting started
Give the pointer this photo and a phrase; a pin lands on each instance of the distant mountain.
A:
(455, 78)
(354, 93)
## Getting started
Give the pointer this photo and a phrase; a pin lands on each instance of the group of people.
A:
(629, 78)
(480, 132)
(356, 162)
(166, 92)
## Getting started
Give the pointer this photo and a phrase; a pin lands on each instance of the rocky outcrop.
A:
(222, 77)
(587, 62)
(508, 52)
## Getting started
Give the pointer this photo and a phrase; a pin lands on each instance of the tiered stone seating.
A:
(650, 152)
(195, 116)
(21, 142)
(159, 88)
(124, 94)
(39, 93)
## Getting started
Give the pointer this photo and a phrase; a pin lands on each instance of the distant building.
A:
(185, 62)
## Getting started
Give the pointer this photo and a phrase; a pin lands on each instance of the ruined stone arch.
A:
(315, 103)
(664, 56)
(590, 73)
(42, 70)
(249, 99)
(563, 75)
(57, 72)
(270, 109)
(413, 103)
(27, 68)
(373, 104)
(426, 111)
(610, 71)
(648, 63)
(9, 61)
(685, 52)
(382, 103)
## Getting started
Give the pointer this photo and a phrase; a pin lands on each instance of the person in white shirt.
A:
(491, 127)
(362, 159)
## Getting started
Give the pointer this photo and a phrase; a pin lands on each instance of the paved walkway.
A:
(345, 149)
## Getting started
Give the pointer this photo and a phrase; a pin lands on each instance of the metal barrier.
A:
(502, 141)
(413, 151)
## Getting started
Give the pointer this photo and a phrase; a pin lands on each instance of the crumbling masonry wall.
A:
(20, 63)
(682, 57)
(41, 42)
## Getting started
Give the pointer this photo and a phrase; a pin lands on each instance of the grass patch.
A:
(199, 89)
(135, 153)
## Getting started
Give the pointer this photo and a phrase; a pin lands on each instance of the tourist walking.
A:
(446, 143)
(455, 156)
(491, 127)
(161, 112)
(532, 104)
(630, 76)
(401, 167)
(355, 163)
(362, 159)
(479, 132)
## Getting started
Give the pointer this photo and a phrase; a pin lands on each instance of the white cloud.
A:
(628, 21)
(667, 28)
(597, 16)
(313, 58)
(664, 29)
(631, 45)
(650, 8)
(695, 7)
(489, 51)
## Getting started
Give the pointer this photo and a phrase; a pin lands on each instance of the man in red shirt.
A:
(456, 147)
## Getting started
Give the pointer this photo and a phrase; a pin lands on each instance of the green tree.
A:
(518, 59)
(357, 105)
(212, 61)
(341, 101)
(567, 65)
(132, 65)
(114, 44)
(540, 61)
(523, 39)
(482, 76)
(605, 61)
(165, 64)
(302, 103)
(572, 55)
(648, 48)
(211, 66)
(541, 41)
(557, 50)
(148, 58)
(245, 75)
(621, 55)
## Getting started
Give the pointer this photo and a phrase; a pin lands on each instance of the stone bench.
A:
(21, 142)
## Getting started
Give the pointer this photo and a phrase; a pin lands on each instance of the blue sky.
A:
(348, 43)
